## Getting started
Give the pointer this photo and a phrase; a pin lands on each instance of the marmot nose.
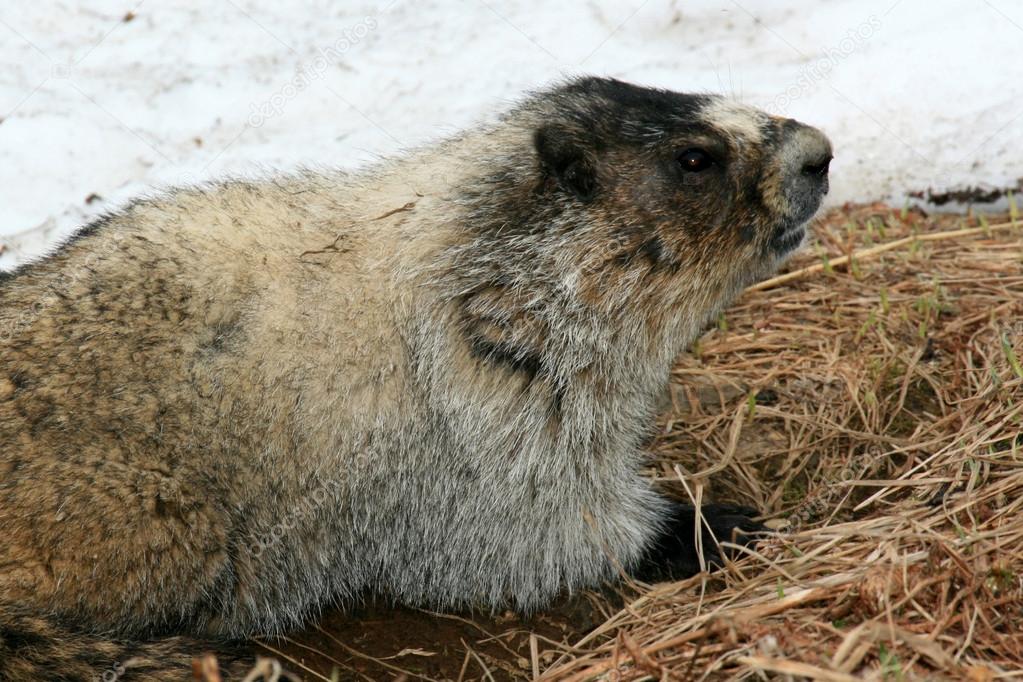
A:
(806, 157)
(817, 168)
(807, 152)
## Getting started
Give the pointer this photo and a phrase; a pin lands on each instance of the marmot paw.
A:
(674, 556)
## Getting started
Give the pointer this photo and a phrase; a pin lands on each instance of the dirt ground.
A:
(377, 642)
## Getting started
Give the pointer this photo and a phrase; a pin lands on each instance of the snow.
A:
(915, 94)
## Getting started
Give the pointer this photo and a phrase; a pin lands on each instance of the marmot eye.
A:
(695, 160)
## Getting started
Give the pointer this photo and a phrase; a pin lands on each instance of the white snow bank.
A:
(914, 93)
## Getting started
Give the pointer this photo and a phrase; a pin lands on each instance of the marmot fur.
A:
(224, 407)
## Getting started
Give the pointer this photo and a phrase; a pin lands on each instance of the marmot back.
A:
(226, 406)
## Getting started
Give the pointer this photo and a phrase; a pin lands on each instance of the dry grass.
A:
(873, 404)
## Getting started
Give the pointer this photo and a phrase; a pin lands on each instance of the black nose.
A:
(817, 168)
(808, 153)
(806, 159)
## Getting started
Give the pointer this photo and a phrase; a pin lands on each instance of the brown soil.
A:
(379, 642)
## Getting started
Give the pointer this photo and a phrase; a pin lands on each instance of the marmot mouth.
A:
(788, 238)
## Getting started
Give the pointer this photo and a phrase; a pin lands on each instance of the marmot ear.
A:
(566, 160)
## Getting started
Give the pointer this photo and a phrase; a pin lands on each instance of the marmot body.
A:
(224, 407)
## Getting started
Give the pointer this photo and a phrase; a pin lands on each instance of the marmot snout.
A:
(226, 406)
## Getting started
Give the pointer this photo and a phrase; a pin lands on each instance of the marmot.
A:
(226, 406)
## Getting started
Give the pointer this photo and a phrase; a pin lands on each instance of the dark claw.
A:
(674, 555)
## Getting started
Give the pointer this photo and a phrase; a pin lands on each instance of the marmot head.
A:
(635, 212)
(652, 186)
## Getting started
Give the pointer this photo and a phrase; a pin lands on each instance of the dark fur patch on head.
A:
(617, 102)
(565, 159)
